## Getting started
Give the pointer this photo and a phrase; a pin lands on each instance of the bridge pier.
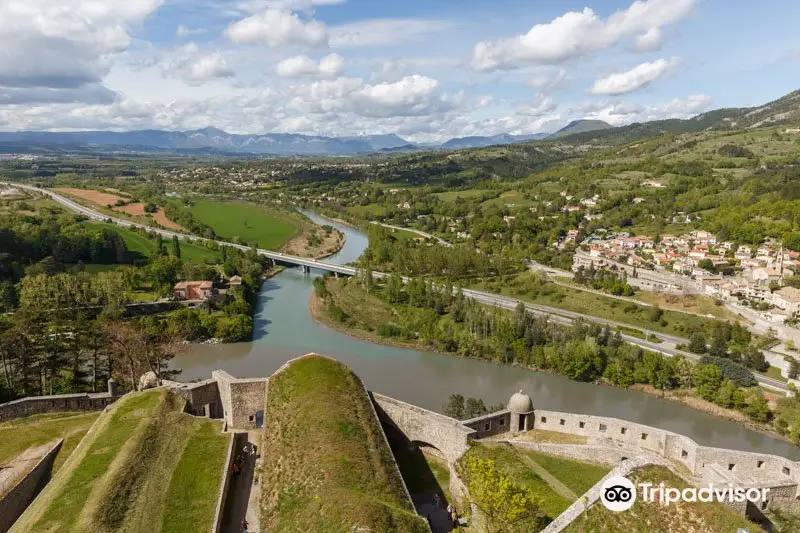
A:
(336, 275)
(306, 269)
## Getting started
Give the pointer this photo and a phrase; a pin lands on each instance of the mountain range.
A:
(213, 140)
(216, 140)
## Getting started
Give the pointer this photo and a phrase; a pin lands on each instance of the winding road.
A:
(667, 346)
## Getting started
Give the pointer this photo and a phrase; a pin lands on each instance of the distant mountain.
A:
(580, 126)
(480, 142)
(208, 139)
(781, 111)
(380, 142)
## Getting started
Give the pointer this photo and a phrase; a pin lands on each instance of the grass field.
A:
(339, 477)
(657, 518)
(526, 288)
(18, 435)
(249, 222)
(137, 471)
(702, 305)
(145, 247)
(451, 196)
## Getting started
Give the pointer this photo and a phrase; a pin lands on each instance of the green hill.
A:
(326, 464)
(136, 471)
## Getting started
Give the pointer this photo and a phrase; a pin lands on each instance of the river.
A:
(284, 329)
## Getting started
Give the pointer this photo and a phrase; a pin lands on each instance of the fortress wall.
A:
(490, 424)
(203, 398)
(752, 469)
(597, 427)
(223, 380)
(248, 397)
(222, 496)
(420, 425)
(14, 503)
(34, 405)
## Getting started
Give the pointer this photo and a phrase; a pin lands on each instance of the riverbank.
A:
(377, 310)
(315, 243)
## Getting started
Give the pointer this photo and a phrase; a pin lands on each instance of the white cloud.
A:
(650, 41)
(638, 77)
(329, 66)
(277, 27)
(541, 105)
(484, 102)
(185, 31)
(577, 33)
(621, 112)
(547, 80)
(389, 70)
(381, 32)
(64, 45)
(205, 68)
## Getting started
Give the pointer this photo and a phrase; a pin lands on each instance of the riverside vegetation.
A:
(433, 316)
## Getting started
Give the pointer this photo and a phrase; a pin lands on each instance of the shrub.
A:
(731, 370)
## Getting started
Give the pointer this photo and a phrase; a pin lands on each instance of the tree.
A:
(697, 343)
(757, 407)
(793, 368)
(454, 408)
(176, 246)
(474, 407)
(708, 379)
(504, 504)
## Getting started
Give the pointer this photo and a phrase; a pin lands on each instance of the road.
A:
(667, 347)
(418, 232)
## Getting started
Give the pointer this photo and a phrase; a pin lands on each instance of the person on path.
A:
(436, 500)
(245, 525)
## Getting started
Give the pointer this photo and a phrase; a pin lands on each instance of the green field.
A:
(145, 247)
(137, 471)
(340, 477)
(451, 196)
(18, 435)
(249, 222)
(572, 478)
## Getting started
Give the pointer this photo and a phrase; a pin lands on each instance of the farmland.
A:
(247, 223)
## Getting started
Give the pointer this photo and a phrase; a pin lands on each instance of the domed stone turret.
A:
(521, 407)
(520, 403)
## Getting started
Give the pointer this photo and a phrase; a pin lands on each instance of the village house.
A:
(193, 290)
(788, 299)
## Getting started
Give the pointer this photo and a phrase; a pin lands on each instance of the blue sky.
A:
(426, 70)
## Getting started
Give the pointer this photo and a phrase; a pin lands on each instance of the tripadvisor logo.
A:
(619, 494)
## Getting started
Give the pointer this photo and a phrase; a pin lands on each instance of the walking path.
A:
(547, 477)
(244, 491)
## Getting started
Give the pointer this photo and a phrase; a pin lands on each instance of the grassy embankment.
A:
(146, 467)
(526, 288)
(655, 518)
(144, 247)
(18, 435)
(554, 481)
(249, 222)
(326, 465)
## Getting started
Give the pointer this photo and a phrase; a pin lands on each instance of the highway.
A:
(560, 316)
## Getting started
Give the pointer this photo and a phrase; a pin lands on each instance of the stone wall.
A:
(234, 444)
(743, 469)
(492, 424)
(420, 425)
(34, 405)
(202, 398)
(16, 500)
(242, 399)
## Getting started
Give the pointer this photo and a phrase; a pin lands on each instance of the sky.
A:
(427, 70)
